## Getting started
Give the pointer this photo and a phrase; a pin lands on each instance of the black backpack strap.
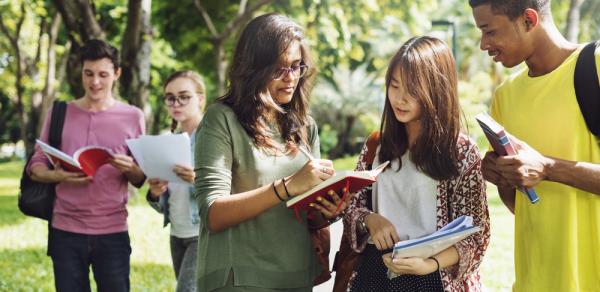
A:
(57, 121)
(587, 87)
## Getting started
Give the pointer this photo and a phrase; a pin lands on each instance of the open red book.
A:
(353, 181)
(86, 159)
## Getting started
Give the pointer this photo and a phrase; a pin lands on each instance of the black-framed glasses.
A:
(297, 72)
(182, 100)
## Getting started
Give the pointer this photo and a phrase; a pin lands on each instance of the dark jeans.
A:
(73, 253)
(184, 255)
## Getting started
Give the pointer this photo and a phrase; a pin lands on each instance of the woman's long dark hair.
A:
(428, 73)
(255, 59)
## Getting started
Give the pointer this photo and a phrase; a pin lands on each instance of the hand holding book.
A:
(343, 182)
(86, 159)
(527, 168)
(505, 145)
(432, 244)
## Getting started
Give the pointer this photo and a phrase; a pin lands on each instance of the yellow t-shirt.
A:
(557, 240)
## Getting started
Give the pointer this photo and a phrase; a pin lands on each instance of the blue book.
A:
(500, 142)
(432, 244)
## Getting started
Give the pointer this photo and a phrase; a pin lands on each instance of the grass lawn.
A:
(24, 265)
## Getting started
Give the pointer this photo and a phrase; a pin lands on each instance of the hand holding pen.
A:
(330, 207)
(311, 174)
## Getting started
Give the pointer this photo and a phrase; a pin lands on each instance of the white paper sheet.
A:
(158, 155)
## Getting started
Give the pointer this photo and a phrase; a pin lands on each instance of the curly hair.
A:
(514, 8)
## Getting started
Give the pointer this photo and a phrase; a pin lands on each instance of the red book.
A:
(353, 181)
(86, 159)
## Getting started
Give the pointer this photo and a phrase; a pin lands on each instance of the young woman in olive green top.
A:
(250, 164)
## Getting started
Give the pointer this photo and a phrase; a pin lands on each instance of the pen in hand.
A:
(345, 190)
(306, 153)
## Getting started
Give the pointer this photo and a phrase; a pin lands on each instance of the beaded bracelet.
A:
(277, 193)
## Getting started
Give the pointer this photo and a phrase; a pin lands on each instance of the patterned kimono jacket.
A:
(464, 195)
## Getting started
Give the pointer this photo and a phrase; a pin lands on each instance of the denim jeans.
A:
(184, 255)
(73, 253)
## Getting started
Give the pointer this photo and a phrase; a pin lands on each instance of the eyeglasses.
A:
(182, 100)
(297, 72)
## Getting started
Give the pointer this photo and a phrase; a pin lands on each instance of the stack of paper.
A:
(158, 155)
(436, 242)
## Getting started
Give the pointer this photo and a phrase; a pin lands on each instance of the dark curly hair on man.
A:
(514, 8)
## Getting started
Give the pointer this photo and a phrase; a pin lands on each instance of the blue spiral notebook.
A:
(432, 244)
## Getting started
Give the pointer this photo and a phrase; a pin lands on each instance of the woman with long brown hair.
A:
(248, 163)
(434, 177)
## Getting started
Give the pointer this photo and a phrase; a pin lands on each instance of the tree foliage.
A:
(351, 41)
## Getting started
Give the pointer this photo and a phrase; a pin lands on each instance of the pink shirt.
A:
(99, 206)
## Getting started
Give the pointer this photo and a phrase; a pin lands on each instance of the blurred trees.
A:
(351, 42)
(29, 35)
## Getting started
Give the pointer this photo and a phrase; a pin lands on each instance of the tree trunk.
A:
(573, 19)
(135, 56)
(49, 92)
(221, 63)
(37, 97)
(80, 20)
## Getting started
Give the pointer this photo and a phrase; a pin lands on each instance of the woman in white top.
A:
(434, 177)
(185, 100)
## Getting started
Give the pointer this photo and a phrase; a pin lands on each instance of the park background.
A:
(351, 42)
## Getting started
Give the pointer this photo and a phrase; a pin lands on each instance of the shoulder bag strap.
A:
(57, 121)
(587, 87)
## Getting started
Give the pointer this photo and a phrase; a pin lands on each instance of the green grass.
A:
(24, 265)
(345, 163)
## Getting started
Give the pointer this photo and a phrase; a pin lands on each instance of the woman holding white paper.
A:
(248, 164)
(433, 178)
(185, 100)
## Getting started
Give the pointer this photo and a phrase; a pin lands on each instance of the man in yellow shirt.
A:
(557, 239)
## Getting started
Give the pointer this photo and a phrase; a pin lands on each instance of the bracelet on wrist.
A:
(276, 192)
(361, 222)
(335, 219)
(436, 262)
(285, 188)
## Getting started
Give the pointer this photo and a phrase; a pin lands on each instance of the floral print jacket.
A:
(466, 195)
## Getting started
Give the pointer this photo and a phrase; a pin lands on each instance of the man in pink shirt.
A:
(89, 221)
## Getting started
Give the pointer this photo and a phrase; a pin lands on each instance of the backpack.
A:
(36, 199)
(346, 258)
(587, 87)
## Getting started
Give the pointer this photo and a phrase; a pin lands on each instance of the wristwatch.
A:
(361, 222)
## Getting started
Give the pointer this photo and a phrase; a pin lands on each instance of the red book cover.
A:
(354, 181)
(86, 159)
